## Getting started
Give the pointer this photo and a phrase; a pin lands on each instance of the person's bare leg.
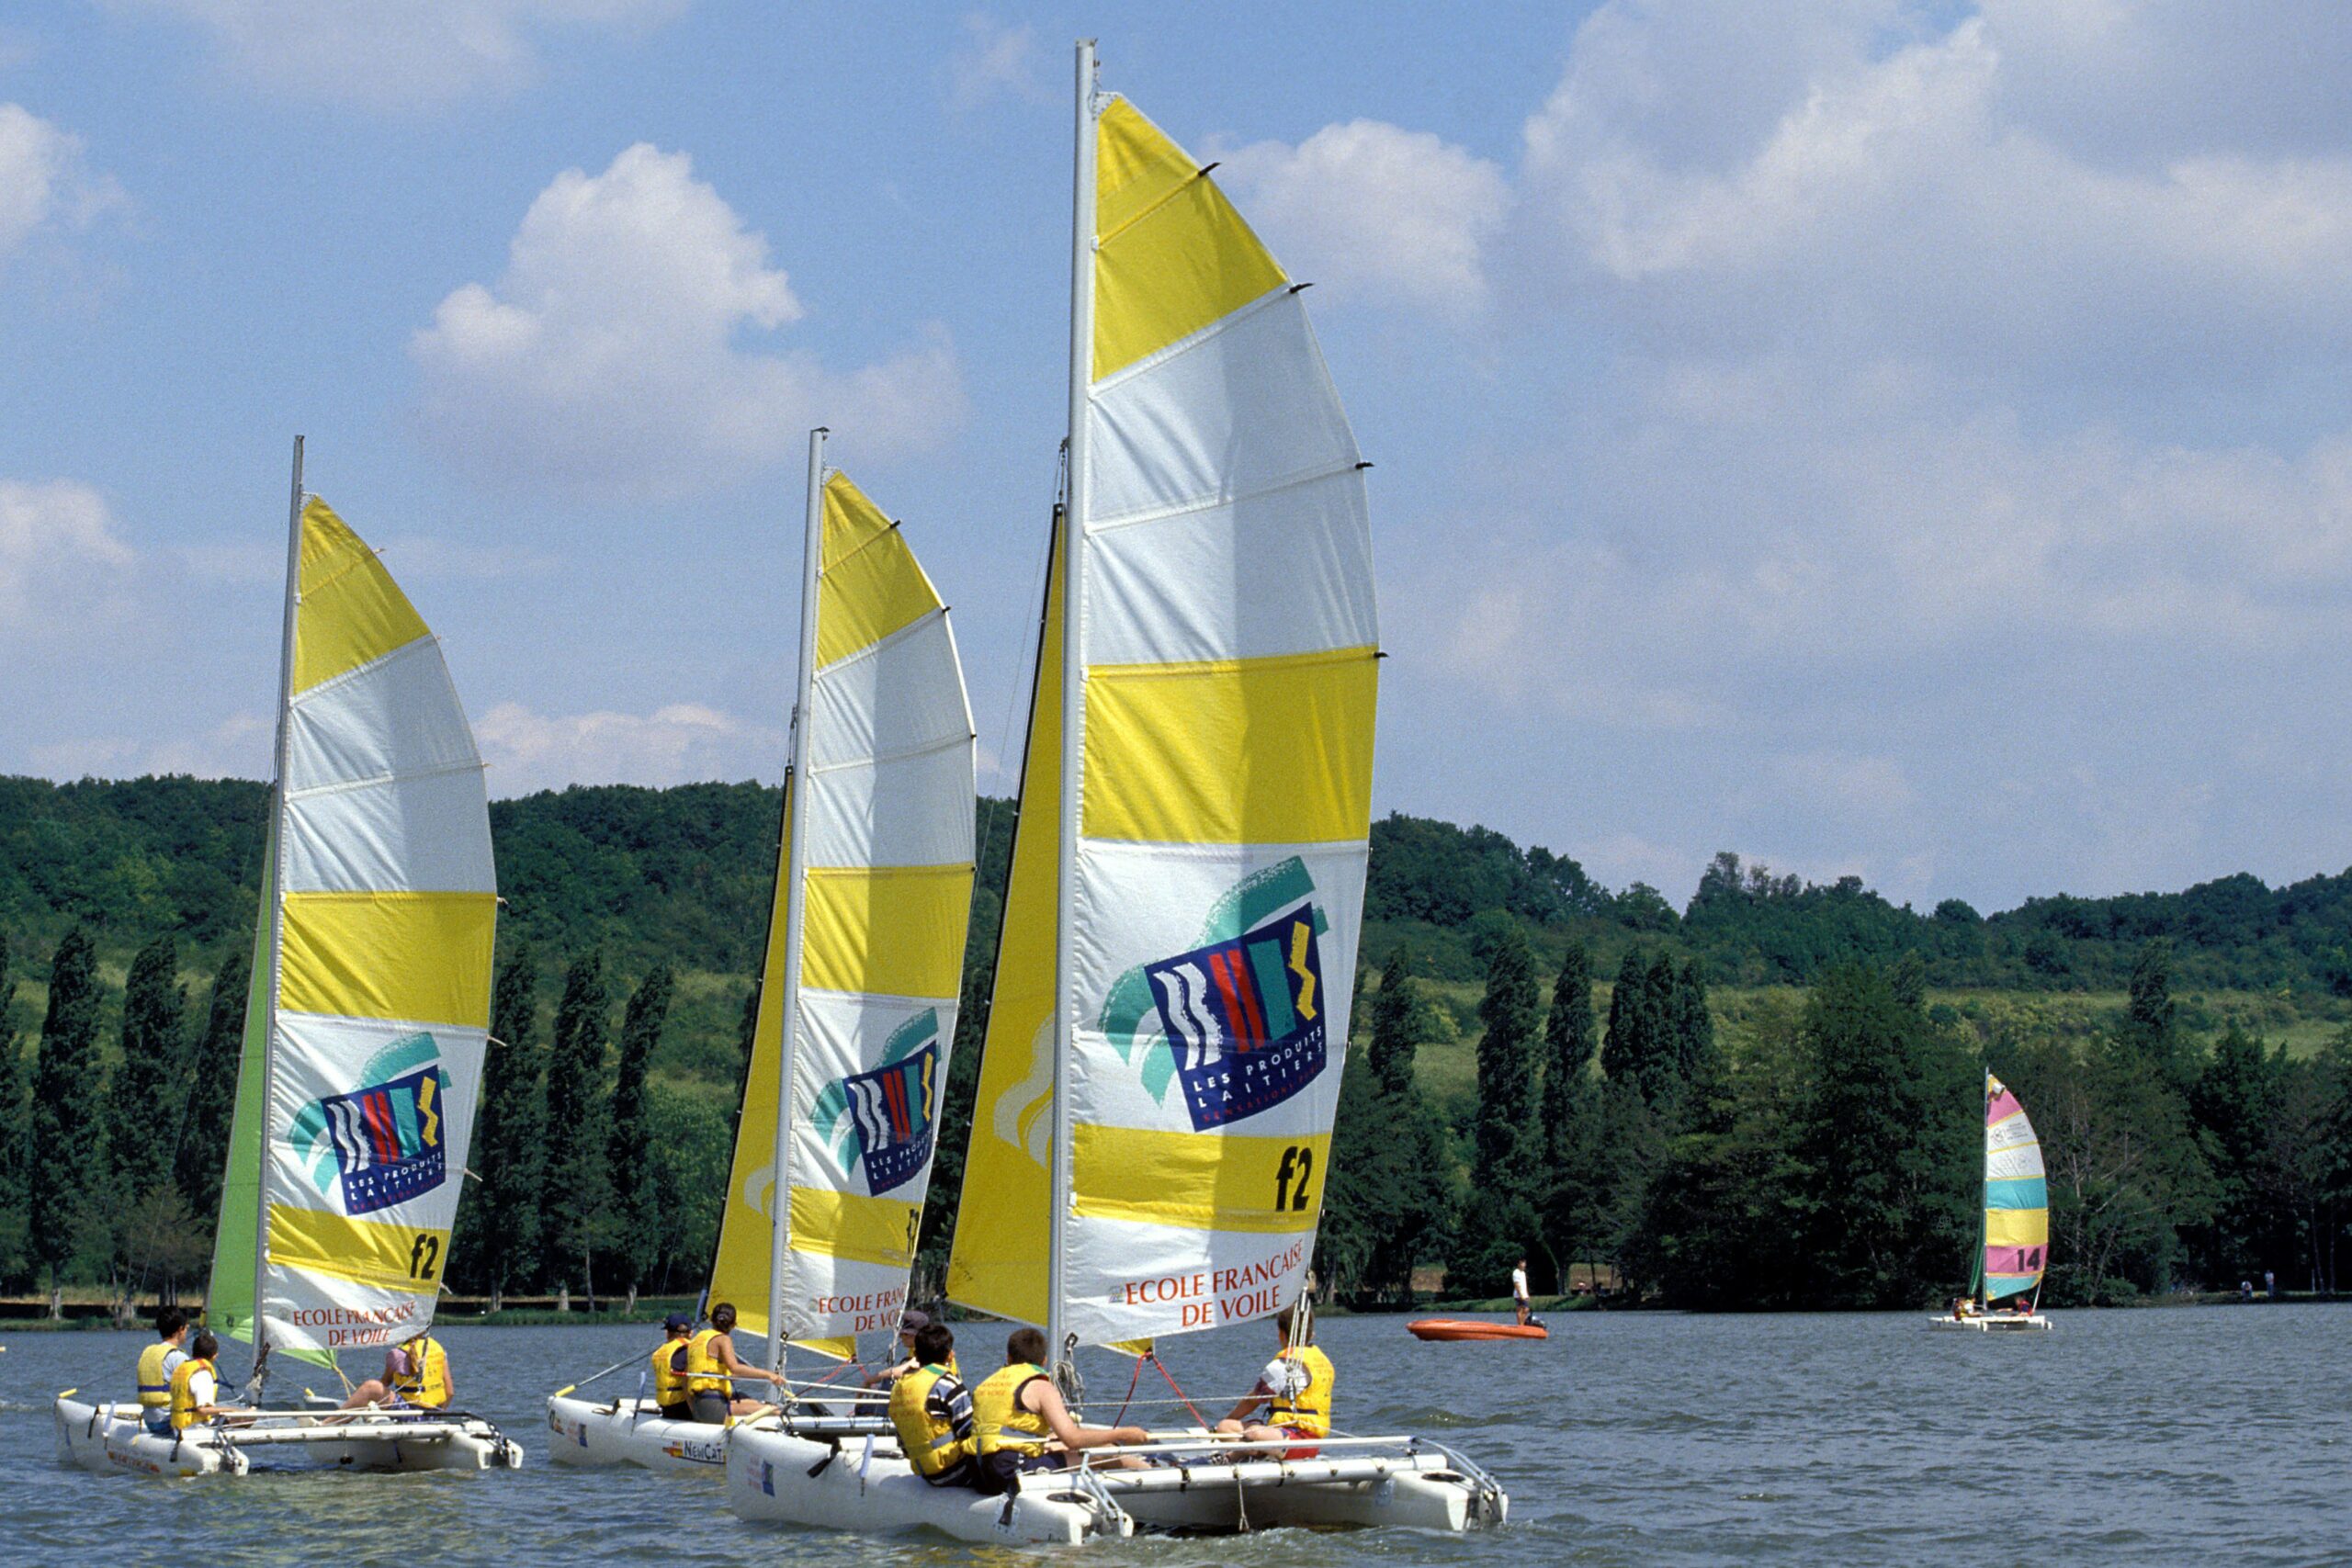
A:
(372, 1391)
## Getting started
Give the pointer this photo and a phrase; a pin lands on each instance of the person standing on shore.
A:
(1519, 1302)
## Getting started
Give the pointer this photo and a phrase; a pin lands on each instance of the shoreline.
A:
(463, 1311)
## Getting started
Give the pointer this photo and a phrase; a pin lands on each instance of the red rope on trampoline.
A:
(1180, 1393)
(1120, 1419)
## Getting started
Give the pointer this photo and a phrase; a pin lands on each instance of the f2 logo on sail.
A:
(423, 1256)
(1291, 1192)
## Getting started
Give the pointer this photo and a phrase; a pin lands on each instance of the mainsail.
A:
(882, 793)
(2017, 1200)
(370, 1001)
(1151, 1136)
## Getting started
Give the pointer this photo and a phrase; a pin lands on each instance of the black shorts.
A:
(679, 1412)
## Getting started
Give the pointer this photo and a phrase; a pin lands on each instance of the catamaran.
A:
(365, 1029)
(859, 986)
(2013, 1246)
(1152, 1138)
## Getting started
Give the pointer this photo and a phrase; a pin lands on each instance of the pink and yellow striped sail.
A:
(2017, 1200)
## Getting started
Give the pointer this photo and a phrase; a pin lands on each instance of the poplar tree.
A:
(13, 1133)
(503, 1221)
(1569, 1045)
(573, 1204)
(211, 1104)
(635, 1212)
(1506, 1063)
(1694, 1026)
(1395, 1012)
(67, 1145)
(2151, 1022)
(147, 1102)
(1630, 1042)
(1498, 1217)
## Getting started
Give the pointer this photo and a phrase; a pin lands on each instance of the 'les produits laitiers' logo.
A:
(885, 1114)
(1242, 1015)
(384, 1141)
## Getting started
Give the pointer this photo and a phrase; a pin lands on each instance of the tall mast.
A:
(812, 544)
(275, 913)
(1073, 563)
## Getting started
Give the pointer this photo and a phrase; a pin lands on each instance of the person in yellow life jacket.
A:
(931, 1412)
(713, 1368)
(1021, 1424)
(1297, 1386)
(669, 1361)
(417, 1374)
(157, 1362)
(195, 1386)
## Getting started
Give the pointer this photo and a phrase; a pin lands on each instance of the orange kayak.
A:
(1475, 1328)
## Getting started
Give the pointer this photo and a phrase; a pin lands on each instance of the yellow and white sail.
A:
(371, 1001)
(1180, 928)
(882, 792)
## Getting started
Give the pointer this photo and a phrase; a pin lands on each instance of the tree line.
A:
(681, 875)
(1620, 1121)
(1832, 1155)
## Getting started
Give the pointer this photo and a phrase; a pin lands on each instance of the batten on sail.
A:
(883, 789)
(1227, 649)
(367, 1012)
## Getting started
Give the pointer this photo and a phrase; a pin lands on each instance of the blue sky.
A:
(1900, 439)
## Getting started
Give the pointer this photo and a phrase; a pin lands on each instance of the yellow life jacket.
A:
(669, 1383)
(929, 1440)
(426, 1384)
(1309, 1410)
(155, 1384)
(701, 1364)
(999, 1421)
(182, 1397)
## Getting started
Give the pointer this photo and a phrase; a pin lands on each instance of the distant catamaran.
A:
(861, 977)
(366, 1022)
(2013, 1245)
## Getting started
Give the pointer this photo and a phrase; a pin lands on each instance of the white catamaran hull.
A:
(867, 1486)
(631, 1431)
(1998, 1323)
(864, 1485)
(111, 1438)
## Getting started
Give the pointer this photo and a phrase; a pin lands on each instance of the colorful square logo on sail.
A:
(891, 1109)
(387, 1140)
(1244, 1018)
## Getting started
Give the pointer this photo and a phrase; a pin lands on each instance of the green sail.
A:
(229, 1299)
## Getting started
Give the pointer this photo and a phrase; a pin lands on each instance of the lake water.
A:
(2125, 1436)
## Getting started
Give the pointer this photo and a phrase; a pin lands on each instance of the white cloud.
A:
(236, 748)
(396, 53)
(45, 186)
(1877, 786)
(61, 558)
(1925, 198)
(606, 357)
(994, 61)
(681, 743)
(1372, 208)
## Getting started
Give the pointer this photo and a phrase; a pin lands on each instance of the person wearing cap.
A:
(909, 1359)
(669, 1361)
